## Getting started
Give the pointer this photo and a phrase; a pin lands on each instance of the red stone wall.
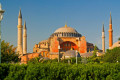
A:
(27, 57)
(54, 45)
(83, 45)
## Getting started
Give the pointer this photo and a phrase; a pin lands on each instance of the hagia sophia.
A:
(63, 43)
(67, 38)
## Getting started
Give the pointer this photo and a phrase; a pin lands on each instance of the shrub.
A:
(16, 72)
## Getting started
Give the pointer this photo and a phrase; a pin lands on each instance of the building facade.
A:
(67, 38)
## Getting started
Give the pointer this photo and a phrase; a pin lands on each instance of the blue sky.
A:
(43, 17)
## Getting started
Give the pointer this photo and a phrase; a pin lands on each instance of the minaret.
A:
(19, 46)
(103, 39)
(24, 39)
(110, 33)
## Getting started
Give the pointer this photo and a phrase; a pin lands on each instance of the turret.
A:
(19, 45)
(24, 39)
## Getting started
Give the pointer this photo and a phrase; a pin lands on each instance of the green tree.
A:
(8, 53)
(95, 51)
(112, 55)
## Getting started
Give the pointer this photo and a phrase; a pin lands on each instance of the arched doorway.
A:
(68, 46)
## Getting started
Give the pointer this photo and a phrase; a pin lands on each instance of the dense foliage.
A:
(112, 55)
(61, 71)
(8, 53)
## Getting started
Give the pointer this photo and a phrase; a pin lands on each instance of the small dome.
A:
(65, 29)
(116, 44)
(43, 41)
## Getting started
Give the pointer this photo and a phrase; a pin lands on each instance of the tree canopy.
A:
(8, 53)
(112, 55)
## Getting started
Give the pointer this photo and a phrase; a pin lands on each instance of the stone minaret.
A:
(24, 39)
(19, 44)
(103, 39)
(110, 33)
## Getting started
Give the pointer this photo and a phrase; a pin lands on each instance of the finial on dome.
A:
(65, 24)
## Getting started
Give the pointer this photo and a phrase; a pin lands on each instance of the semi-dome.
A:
(65, 29)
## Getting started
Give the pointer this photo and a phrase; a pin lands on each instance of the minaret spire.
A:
(110, 32)
(103, 28)
(20, 15)
(25, 39)
(20, 28)
(110, 22)
(24, 24)
(103, 39)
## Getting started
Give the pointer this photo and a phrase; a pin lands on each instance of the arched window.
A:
(67, 44)
(67, 34)
(77, 35)
(45, 44)
(62, 34)
(72, 34)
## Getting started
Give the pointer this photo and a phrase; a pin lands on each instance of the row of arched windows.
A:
(67, 34)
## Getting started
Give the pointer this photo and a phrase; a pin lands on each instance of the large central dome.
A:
(65, 29)
(66, 32)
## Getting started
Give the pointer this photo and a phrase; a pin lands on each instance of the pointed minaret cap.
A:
(103, 28)
(0, 6)
(65, 24)
(25, 25)
(110, 19)
(1, 11)
(20, 15)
